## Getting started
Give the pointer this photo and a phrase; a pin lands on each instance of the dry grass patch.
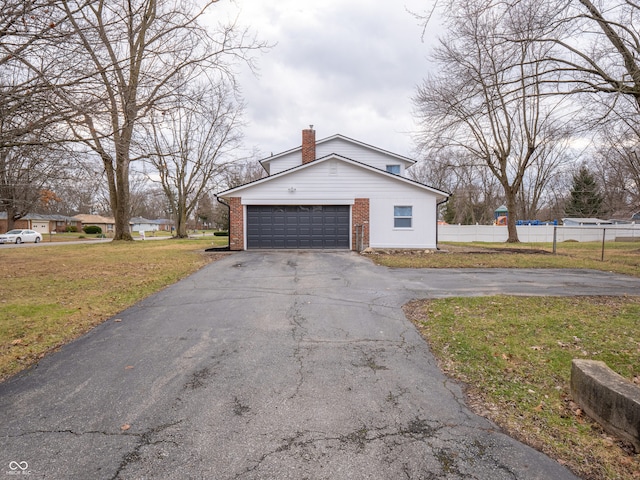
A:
(51, 295)
(619, 257)
(515, 353)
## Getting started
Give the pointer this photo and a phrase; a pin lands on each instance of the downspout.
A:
(437, 205)
(220, 201)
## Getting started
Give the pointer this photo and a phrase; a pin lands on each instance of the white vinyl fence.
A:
(538, 233)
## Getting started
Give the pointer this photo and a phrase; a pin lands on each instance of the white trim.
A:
(297, 201)
(350, 227)
(245, 245)
(233, 192)
(402, 158)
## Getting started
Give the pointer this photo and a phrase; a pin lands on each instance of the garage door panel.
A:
(304, 226)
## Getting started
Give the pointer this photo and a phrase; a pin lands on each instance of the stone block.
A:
(608, 398)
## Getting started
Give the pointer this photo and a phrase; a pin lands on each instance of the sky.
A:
(347, 67)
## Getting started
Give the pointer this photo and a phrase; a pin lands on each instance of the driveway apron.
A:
(278, 365)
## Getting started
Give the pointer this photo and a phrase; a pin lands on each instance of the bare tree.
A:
(27, 29)
(23, 176)
(599, 50)
(617, 163)
(553, 157)
(241, 171)
(130, 59)
(596, 54)
(475, 191)
(29, 133)
(192, 144)
(487, 99)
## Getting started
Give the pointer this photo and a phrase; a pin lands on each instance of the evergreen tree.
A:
(585, 200)
(449, 213)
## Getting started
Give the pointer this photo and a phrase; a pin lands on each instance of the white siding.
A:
(337, 182)
(343, 147)
(360, 154)
(285, 162)
(422, 233)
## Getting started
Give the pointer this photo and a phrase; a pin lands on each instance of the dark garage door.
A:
(303, 226)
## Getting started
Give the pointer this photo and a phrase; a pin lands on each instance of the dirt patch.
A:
(492, 250)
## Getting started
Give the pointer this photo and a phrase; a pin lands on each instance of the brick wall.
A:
(360, 222)
(236, 224)
(308, 145)
(17, 224)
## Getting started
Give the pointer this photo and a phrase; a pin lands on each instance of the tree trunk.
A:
(511, 215)
(122, 207)
(181, 223)
(11, 218)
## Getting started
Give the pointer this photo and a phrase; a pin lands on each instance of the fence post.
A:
(604, 235)
(555, 238)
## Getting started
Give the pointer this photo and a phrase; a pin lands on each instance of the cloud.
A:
(346, 67)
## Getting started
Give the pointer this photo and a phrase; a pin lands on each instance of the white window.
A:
(402, 216)
(395, 169)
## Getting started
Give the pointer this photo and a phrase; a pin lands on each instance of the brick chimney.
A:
(308, 145)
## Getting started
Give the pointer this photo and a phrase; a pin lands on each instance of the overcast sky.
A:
(345, 66)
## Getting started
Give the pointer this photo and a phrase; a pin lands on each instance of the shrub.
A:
(92, 229)
(221, 234)
(71, 229)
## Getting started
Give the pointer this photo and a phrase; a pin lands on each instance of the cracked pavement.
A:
(272, 365)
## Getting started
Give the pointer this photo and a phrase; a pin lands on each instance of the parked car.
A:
(19, 236)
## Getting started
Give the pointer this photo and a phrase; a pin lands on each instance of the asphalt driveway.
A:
(272, 365)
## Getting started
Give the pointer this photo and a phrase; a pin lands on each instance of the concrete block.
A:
(608, 398)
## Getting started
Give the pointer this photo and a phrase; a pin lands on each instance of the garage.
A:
(298, 226)
(40, 226)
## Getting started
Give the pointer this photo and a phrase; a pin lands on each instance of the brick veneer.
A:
(236, 224)
(360, 216)
(308, 145)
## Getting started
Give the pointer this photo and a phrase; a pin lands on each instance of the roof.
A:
(159, 221)
(40, 216)
(88, 218)
(391, 176)
(586, 221)
(333, 137)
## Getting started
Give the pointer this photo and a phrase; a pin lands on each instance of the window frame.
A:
(393, 166)
(402, 218)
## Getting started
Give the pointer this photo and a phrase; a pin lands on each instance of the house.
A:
(141, 224)
(41, 223)
(106, 224)
(165, 224)
(333, 193)
(584, 222)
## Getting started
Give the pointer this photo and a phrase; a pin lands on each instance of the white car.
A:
(19, 236)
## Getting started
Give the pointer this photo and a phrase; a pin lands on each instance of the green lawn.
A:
(50, 295)
(514, 353)
(620, 257)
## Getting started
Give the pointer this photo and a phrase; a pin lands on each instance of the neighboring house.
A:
(21, 223)
(165, 224)
(41, 223)
(584, 222)
(141, 224)
(106, 224)
(333, 193)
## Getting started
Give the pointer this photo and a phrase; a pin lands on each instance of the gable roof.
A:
(334, 137)
(40, 216)
(233, 191)
(89, 218)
